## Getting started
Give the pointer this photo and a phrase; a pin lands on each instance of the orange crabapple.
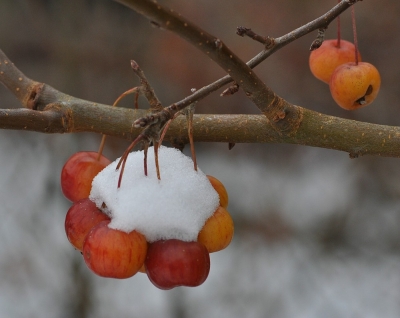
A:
(221, 190)
(217, 232)
(324, 60)
(355, 85)
(114, 253)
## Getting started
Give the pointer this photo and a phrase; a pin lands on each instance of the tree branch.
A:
(318, 130)
(280, 42)
(283, 116)
(51, 111)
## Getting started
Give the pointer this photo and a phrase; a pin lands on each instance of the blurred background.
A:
(317, 234)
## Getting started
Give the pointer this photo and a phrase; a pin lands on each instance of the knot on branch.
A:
(218, 44)
(159, 117)
(230, 90)
(281, 114)
(319, 40)
(33, 96)
(287, 119)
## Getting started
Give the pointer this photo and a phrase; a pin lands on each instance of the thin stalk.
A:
(353, 20)
(338, 30)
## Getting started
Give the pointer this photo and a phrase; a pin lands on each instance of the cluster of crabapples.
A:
(352, 83)
(115, 253)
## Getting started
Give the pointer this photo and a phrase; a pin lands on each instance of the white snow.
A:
(176, 206)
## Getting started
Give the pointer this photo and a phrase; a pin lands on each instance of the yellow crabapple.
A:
(217, 232)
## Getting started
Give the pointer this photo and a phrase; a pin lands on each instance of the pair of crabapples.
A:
(352, 84)
(84, 218)
(107, 252)
(116, 253)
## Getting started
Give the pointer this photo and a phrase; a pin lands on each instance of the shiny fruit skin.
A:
(113, 253)
(355, 85)
(324, 60)
(221, 190)
(81, 217)
(78, 173)
(172, 263)
(217, 232)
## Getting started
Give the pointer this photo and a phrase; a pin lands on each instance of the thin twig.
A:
(147, 89)
(189, 118)
(156, 146)
(266, 40)
(124, 157)
(104, 137)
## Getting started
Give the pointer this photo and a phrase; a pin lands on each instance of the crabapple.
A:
(172, 263)
(217, 232)
(355, 85)
(220, 188)
(78, 173)
(324, 60)
(81, 217)
(113, 253)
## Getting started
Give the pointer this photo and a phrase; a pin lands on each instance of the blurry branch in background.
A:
(51, 111)
(283, 116)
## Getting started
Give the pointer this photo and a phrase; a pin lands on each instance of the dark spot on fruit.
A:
(369, 90)
(362, 101)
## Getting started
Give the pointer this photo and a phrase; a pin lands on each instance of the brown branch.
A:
(31, 120)
(317, 130)
(283, 116)
(25, 89)
(52, 111)
(147, 89)
(56, 112)
(266, 40)
(321, 22)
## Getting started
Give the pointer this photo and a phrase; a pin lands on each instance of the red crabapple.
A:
(81, 217)
(113, 253)
(172, 263)
(78, 173)
(324, 60)
(355, 85)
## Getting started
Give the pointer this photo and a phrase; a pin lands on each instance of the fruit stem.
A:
(164, 131)
(353, 20)
(338, 30)
(156, 145)
(104, 137)
(124, 157)
(189, 117)
(101, 147)
(145, 151)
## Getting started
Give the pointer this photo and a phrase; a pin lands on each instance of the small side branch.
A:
(266, 40)
(319, 40)
(147, 89)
